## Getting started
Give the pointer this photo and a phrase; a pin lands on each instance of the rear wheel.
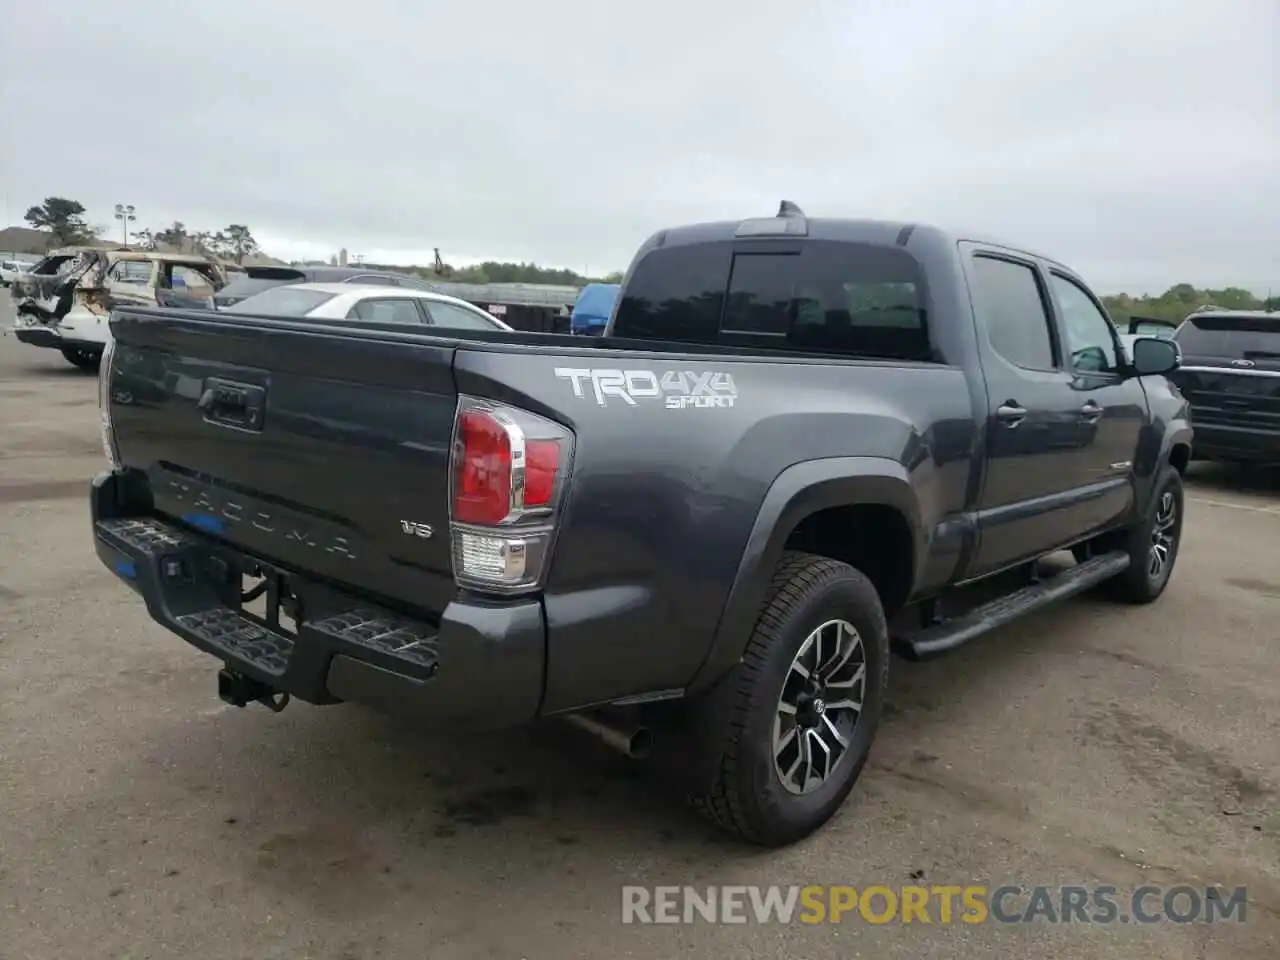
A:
(809, 703)
(83, 358)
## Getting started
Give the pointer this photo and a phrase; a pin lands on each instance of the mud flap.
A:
(689, 735)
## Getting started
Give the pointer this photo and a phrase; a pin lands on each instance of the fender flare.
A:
(1179, 432)
(1176, 432)
(798, 492)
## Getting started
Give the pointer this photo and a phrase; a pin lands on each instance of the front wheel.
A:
(809, 702)
(1152, 544)
(87, 360)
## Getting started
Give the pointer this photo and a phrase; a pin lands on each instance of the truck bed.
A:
(355, 434)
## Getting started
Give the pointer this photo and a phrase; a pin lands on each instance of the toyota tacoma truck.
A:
(801, 443)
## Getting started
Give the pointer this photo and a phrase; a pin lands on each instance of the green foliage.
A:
(175, 235)
(232, 243)
(491, 271)
(63, 218)
(494, 272)
(1181, 299)
(237, 242)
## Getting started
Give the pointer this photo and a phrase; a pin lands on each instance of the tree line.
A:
(66, 223)
(1181, 299)
(493, 271)
(65, 220)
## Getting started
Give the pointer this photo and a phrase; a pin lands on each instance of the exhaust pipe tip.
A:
(641, 744)
(633, 741)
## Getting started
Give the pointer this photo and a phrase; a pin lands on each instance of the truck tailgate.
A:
(320, 449)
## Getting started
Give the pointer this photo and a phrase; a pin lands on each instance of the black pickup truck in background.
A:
(690, 535)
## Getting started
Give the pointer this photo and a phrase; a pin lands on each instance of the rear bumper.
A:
(1215, 441)
(479, 665)
(84, 329)
(37, 335)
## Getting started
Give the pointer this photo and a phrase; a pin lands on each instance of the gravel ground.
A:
(139, 817)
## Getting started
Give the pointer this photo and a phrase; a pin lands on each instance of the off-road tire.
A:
(87, 360)
(1136, 585)
(747, 797)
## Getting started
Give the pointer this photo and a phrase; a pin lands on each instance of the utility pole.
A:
(124, 213)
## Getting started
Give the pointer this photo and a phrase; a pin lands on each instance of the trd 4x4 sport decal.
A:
(677, 389)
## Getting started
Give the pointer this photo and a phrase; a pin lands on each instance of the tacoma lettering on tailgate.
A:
(215, 512)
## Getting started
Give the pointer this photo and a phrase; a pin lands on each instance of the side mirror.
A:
(1154, 355)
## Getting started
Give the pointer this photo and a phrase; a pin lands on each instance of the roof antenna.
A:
(789, 209)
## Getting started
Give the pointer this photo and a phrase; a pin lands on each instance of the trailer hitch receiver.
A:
(240, 691)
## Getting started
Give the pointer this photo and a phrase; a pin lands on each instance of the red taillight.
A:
(509, 467)
(485, 466)
(482, 490)
(542, 459)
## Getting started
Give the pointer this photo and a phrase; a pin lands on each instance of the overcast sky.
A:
(1138, 140)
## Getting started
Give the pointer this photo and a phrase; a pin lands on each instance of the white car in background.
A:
(350, 301)
(10, 270)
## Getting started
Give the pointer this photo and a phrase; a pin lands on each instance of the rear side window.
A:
(1232, 338)
(452, 315)
(136, 272)
(187, 278)
(386, 310)
(1012, 308)
(825, 297)
(413, 282)
(55, 265)
(282, 301)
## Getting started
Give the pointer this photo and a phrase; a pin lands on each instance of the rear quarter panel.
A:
(664, 493)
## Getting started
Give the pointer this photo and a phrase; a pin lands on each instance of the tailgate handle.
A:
(230, 404)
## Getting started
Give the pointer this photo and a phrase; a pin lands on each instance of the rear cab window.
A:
(816, 296)
(1231, 337)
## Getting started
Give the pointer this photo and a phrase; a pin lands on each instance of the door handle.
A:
(1010, 413)
(1090, 412)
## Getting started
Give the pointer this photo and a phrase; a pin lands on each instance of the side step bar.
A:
(946, 636)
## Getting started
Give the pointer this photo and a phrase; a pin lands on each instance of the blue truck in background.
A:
(592, 309)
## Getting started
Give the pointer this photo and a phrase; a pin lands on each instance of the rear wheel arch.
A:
(813, 507)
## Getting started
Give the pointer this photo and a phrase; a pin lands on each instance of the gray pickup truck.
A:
(800, 443)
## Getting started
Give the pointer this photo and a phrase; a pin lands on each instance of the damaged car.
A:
(64, 301)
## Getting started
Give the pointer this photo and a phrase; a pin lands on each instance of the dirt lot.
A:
(139, 817)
